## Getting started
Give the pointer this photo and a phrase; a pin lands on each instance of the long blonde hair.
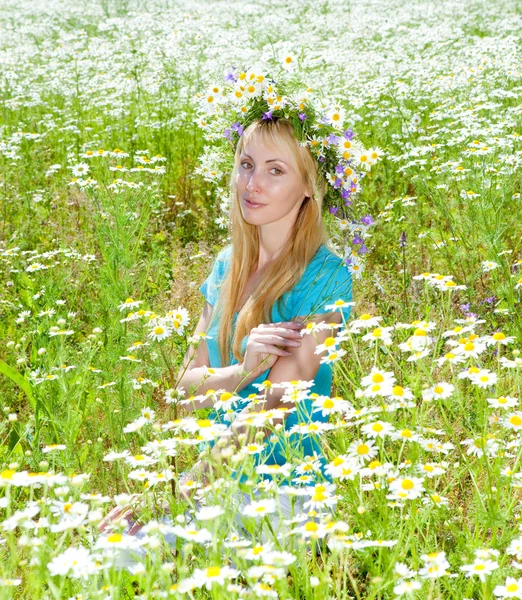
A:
(307, 235)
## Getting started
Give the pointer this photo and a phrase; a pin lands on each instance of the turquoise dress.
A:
(325, 280)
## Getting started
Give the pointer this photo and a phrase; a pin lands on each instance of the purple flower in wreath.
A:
(333, 139)
(345, 194)
(238, 128)
(228, 134)
(302, 116)
(363, 249)
(333, 210)
(338, 183)
(339, 169)
(367, 220)
(321, 159)
(357, 240)
(268, 115)
(348, 134)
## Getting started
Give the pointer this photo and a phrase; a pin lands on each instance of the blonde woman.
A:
(277, 273)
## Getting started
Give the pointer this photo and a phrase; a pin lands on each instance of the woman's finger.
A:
(135, 527)
(269, 349)
(115, 514)
(109, 517)
(276, 339)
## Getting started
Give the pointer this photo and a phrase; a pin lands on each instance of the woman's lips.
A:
(252, 204)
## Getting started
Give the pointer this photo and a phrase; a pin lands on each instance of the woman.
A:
(276, 274)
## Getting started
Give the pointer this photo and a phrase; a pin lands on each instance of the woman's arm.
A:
(193, 375)
(302, 364)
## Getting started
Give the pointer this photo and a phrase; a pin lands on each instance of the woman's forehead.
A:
(262, 147)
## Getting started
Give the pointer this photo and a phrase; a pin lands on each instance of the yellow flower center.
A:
(213, 572)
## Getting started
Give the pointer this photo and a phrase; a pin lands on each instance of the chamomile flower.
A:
(129, 303)
(258, 509)
(159, 333)
(321, 496)
(328, 406)
(407, 488)
(482, 445)
(333, 356)
(484, 379)
(489, 265)
(480, 567)
(378, 429)
(329, 345)
(80, 169)
(498, 338)
(503, 402)
(430, 469)
(440, 391)
(400, 393)
(436, 565)
(435, 500)
(511, 589)
(407, 587)
(452, 358)
(513, 421)
(378, 376)
(365, 321)
(214, 574)
(343, 467)
(382, 334)
(362, 450)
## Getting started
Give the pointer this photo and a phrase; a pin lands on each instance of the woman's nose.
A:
(253, 182)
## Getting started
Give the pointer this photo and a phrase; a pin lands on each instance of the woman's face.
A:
(268, 186)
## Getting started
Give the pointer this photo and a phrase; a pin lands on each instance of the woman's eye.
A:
(245, 163)
(279, 172)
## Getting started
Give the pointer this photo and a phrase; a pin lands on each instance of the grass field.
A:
(107, 223)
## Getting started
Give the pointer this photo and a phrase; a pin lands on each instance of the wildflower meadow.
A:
(113, 208)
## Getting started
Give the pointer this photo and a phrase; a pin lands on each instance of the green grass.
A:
(83, 88)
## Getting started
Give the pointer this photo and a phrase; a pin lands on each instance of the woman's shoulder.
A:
(224, 254)
(324, 261)
(222, 261)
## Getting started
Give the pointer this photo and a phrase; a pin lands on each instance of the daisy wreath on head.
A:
(226, 110)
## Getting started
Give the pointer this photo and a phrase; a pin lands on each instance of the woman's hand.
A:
(197, 474)
(263, 343)
(118, 513)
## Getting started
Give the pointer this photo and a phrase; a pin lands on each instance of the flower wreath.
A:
(225, 111)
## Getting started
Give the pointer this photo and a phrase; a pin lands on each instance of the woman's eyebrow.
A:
(268, 161)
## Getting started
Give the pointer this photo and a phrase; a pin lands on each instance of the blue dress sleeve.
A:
(210, 288)
(322, 284)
